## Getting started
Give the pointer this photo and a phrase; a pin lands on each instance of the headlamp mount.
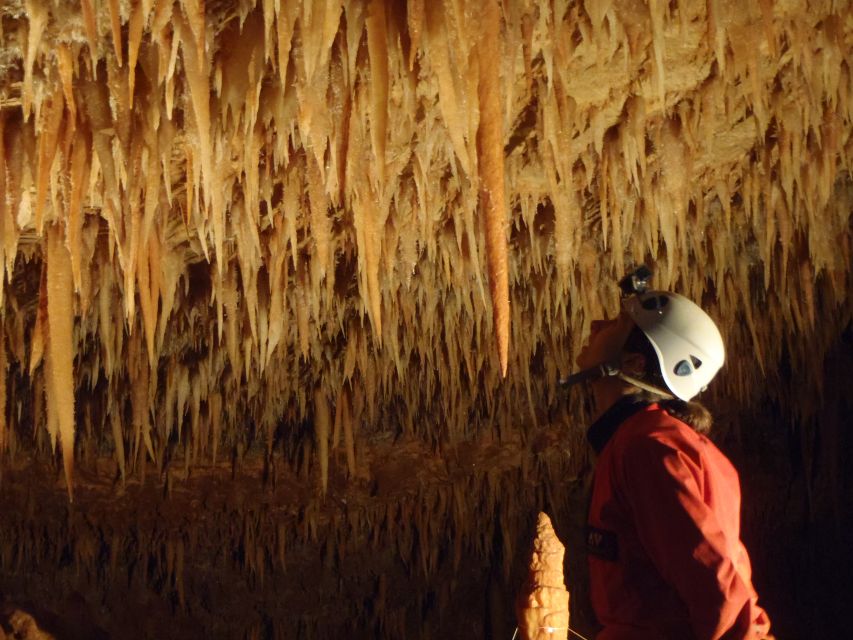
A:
(634, 283)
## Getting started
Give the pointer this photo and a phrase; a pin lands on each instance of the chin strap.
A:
(645, 386)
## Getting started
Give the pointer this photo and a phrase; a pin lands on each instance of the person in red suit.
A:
(665, 556)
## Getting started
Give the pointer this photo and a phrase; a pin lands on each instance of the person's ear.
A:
(633, 364)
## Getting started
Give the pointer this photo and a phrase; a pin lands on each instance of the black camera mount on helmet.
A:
(636, 282)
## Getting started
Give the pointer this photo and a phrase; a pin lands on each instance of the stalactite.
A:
(60, 316)
(490, 141)
(321, 427)
(139, 395)
(50, 124)
(118, 443)
(115, 25)
(377, 44)
(7, 224)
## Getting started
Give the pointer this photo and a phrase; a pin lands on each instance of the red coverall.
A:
(666, 559)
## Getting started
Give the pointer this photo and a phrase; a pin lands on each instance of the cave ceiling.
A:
(227, 225)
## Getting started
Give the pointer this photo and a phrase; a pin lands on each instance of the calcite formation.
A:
(17, 624)
(543, 603)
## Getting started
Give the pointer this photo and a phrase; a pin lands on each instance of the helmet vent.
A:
(683, 368)
(696, 362)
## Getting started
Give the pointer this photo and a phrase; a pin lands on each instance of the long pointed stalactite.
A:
(60, 351)
(324, 263)
(490, 139)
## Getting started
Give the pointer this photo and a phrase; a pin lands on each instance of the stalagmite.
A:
(543, 603)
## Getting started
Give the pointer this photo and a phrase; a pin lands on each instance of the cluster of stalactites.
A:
(278, 211)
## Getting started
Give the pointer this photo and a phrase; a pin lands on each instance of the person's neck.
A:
(608, 391)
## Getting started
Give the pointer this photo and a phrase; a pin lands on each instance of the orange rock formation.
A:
(543, 604)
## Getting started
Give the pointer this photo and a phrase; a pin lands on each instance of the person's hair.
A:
(693, 414)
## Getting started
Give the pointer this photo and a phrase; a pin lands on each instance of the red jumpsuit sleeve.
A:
(683, 538)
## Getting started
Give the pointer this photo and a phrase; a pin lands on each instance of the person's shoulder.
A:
(654, 428)
(654, 422)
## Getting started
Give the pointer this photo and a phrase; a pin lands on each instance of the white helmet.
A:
(687, 342)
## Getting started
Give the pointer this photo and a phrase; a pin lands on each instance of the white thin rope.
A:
(569, 629)
(552, 630)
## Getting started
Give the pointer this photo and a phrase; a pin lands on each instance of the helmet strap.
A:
(645, 386)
